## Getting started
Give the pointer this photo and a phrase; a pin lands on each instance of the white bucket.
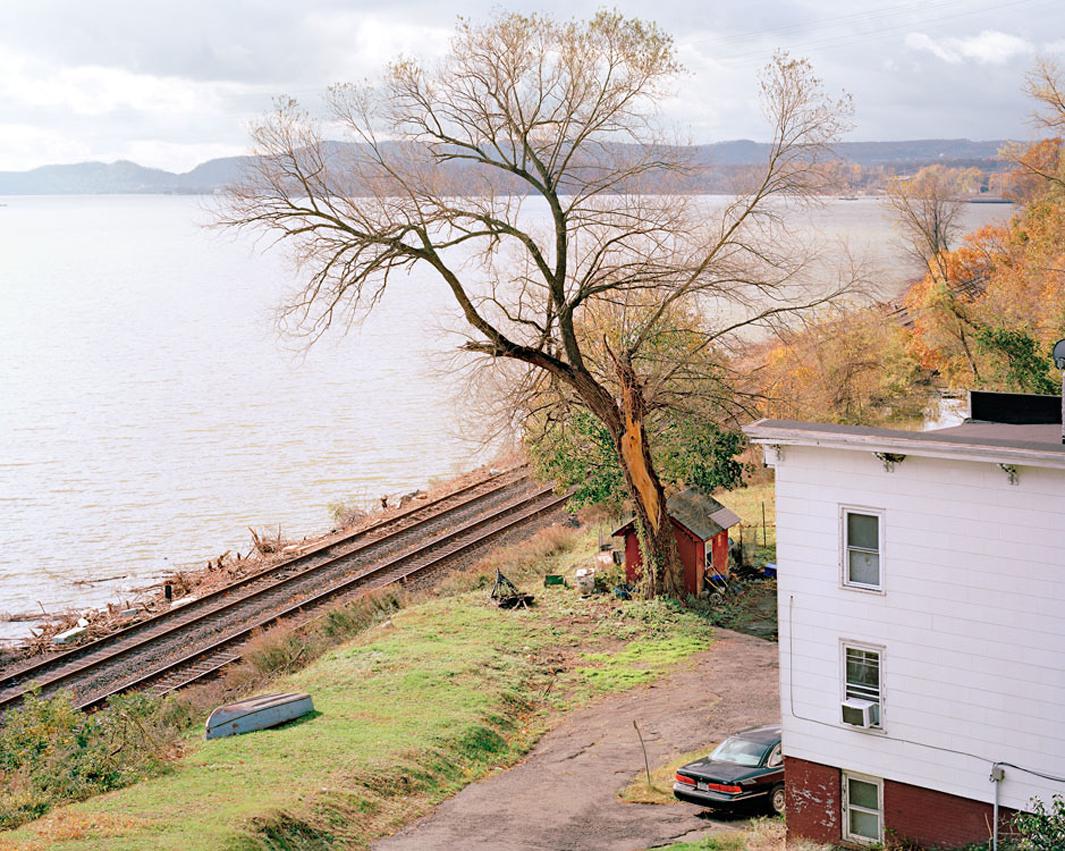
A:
(586, 580)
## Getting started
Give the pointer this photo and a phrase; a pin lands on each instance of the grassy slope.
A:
(409, 713)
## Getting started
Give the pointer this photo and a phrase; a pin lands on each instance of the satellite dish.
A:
(1059, 354)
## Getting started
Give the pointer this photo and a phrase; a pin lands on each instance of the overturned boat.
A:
(257, 713)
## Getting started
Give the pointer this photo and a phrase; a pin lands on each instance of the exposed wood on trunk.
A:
(662, 567)
(633, 449)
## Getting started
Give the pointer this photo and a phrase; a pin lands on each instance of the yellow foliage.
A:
(850, 368)
(1010, 277)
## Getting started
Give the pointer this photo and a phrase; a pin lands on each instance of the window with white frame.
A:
(861, 678)
(863, 808)
(862, 549)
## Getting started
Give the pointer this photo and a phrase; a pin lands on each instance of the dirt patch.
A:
(565, 794)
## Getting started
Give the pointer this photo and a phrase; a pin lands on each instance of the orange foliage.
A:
(1008, 277)
(849, 368)
(1041, 162)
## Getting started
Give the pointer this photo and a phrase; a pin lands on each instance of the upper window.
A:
(863, 805)
(862, 549)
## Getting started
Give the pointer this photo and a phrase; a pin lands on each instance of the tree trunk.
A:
(663, 571)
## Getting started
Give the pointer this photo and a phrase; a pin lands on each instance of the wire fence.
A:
(757, 540)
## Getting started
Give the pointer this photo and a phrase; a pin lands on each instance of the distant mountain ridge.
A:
(124, 177)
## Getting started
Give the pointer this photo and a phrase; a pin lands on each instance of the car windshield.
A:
(740, 751)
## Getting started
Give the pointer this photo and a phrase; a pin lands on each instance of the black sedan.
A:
(746, 767)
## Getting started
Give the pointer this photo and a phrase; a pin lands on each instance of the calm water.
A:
(149, 413)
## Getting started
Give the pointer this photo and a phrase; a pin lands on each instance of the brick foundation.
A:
(933, 818)
(814, 792)
(923, 816)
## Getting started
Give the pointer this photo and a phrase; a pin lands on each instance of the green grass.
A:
(727, 842)
(641, 661)
(747, 503)
(761, 834)
(407, 714)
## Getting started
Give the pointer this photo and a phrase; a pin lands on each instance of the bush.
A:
(1043, 829)
(286, 647)
(347, 514)
(609, 578)
(51, 752)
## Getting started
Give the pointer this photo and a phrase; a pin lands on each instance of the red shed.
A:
(697, 520)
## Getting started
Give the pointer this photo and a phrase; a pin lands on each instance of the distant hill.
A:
(121, 178)
(720, 158)
(925, 151)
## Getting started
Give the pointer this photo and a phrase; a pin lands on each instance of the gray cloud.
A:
(170, 84)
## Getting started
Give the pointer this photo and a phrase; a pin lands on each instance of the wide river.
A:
(150, 413)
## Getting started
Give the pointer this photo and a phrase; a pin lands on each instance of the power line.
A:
(879, 32)
(754, 35)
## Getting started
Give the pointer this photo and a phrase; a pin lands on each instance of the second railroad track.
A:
(193, 641)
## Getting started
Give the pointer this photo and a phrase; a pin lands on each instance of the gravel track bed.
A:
(367, 550)
(113, 673)
(423, 580)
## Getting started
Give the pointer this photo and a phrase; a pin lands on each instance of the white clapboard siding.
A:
(972, 620)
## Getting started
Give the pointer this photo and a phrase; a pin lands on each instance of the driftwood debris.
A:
(100, 579)
(265, 543)
(268, 548)
(407, 498)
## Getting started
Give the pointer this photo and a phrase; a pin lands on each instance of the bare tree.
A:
(1046, 84)
(926, 207)
(1043, 161)
(447, 167)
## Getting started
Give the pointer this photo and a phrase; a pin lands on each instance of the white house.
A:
(922, 621)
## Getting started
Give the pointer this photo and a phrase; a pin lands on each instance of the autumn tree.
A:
(525, 173)
(987, 313)
(853, 366)
(926, 208)
(1040, 166)
(1046, 86)
(1007, 284)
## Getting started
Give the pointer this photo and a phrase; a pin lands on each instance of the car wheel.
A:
(777, 799)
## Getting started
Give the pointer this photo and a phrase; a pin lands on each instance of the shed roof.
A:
(700, 514)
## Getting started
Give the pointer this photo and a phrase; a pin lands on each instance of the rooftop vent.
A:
(1014, 408)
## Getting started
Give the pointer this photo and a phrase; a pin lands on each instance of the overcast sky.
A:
(171, 84)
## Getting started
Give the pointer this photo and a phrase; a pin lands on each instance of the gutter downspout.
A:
(997, 776)
(1058, 355)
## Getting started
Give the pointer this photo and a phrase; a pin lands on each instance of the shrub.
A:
(52, 752)
(286, 647)
(1043, 829)
(346, 514)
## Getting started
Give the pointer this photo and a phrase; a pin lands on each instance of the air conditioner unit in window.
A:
(858, 712)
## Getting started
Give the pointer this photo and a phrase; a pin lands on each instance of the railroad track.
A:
(443, 508)
(186, 644)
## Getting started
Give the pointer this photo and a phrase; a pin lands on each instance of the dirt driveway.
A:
(563, 796)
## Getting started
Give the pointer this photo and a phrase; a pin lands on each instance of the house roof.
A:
(700, 514)
(1037, 445)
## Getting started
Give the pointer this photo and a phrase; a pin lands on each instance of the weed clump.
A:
(51, 752)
